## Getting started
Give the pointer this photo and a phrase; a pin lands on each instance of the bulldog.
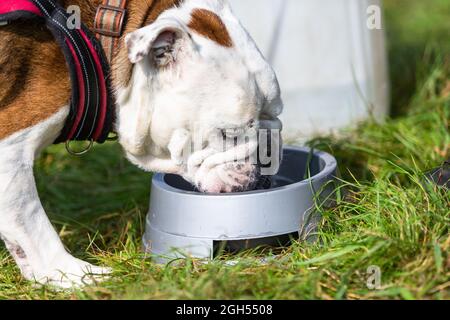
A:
(182, 69)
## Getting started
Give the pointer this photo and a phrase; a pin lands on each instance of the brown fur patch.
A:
(209, 25)
(159, 7)
(33, 89)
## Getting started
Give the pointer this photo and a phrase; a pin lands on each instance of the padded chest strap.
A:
(109, 23)
(91, 105)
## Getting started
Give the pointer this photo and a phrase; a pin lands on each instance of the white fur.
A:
(196, 89)
(24, 226)
(206, 87)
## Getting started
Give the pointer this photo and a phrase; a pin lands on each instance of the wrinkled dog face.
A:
(199, 83)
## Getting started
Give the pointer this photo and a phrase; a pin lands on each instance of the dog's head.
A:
(199, 91)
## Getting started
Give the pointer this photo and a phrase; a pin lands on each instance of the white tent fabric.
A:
(332, 68)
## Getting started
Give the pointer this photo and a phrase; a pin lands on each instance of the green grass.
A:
(385, 217)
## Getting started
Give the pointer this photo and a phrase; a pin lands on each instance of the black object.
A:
(440, 176)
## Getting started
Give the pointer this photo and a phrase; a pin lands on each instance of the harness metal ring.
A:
(79, 153)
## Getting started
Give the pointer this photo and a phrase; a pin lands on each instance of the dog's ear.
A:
(157, 41)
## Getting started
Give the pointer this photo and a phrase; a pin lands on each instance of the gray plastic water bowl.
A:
(182, 222)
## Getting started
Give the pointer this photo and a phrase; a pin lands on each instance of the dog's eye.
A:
(160, 52)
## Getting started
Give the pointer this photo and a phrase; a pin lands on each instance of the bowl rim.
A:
(329, 169)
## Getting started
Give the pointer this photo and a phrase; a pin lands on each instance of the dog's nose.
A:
(253, 180)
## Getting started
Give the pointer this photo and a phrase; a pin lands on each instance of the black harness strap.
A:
(92, 103)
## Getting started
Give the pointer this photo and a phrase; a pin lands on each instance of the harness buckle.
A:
(110, 30)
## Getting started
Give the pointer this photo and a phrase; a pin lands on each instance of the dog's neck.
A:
(140, 13)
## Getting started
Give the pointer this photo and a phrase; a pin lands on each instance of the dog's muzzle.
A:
(246, 173)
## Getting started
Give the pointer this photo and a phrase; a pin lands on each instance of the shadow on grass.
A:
(98, 199)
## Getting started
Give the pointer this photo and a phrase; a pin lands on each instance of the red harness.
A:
(92, 102)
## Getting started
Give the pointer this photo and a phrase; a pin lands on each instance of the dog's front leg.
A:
(24, 226)
(29, 235)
